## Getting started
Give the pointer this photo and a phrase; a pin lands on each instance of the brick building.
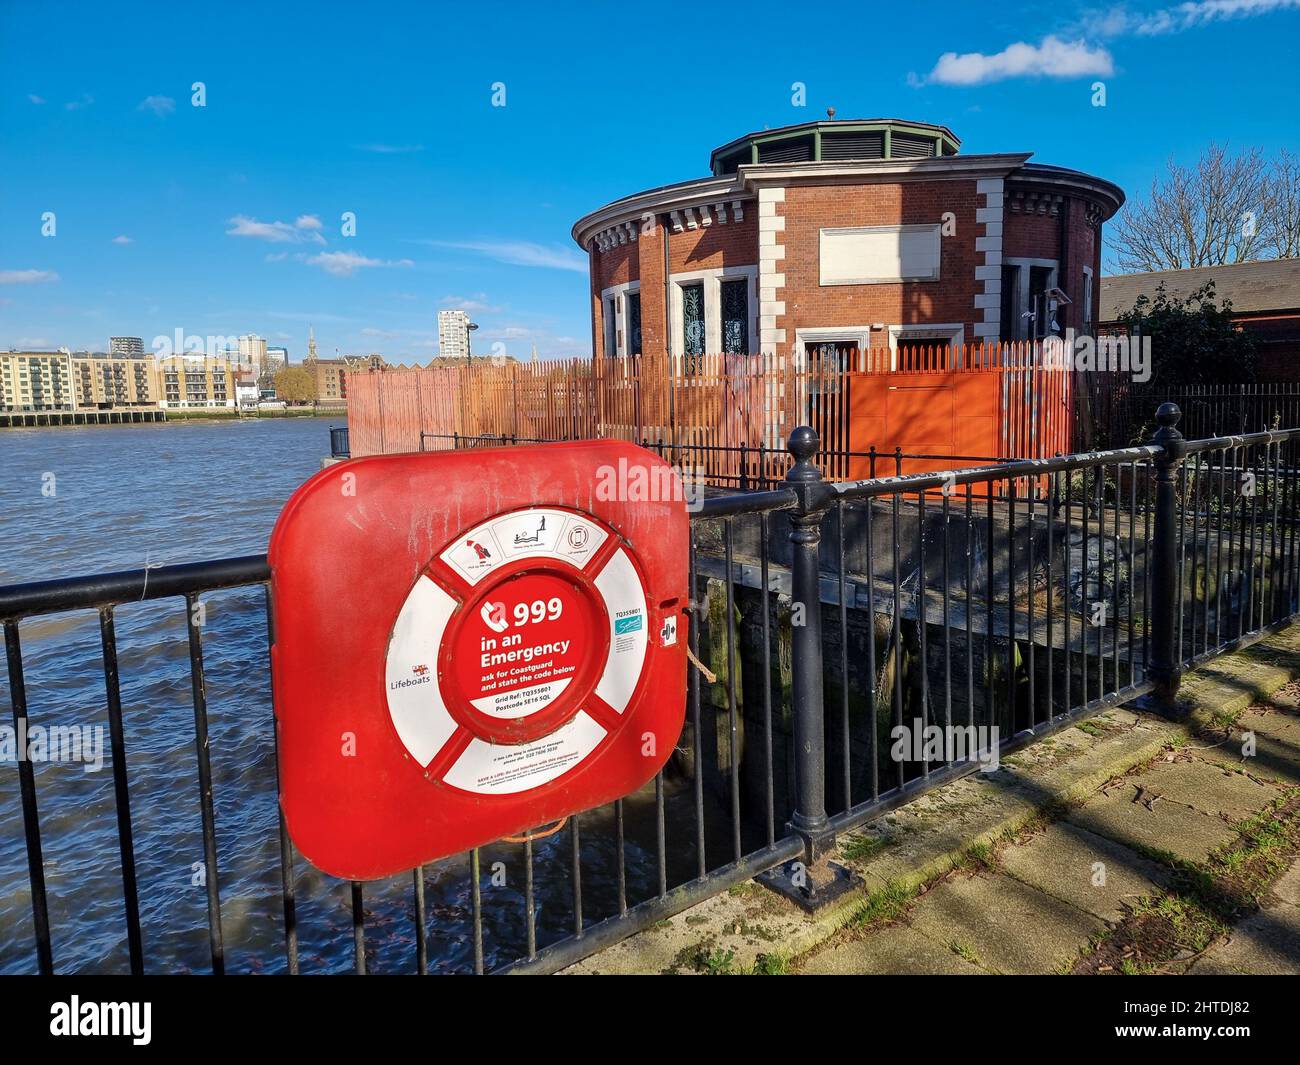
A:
(836, 236)
(1265, 298)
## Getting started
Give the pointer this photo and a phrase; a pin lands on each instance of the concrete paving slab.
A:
(1062, 861)
(1287, 887)
(1167, 827)
(1267, 944)
(898, 949)
(739, 925)
(1219, 792)
(1003, 925)
(1277, 746)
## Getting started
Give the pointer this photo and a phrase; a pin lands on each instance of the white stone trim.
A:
(988, 273)
(1021, 301)
(712, 279)
(770, 281)
(619, 294)
(832, 334)
(951, 333)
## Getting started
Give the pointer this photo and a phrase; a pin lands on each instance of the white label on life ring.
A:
(629, 623)
(411, 672)
(503, 769)
(539, 532)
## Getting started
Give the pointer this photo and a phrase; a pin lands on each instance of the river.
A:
(76, 501)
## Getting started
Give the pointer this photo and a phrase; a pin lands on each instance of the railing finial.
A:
(803, 445)
(1168, 415)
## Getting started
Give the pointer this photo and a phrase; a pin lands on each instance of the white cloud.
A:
(302, 231)
(1182, 17)
(76, 105)
(521, 253)
(390, 149)
(26, 277)
(1053, 58)
(35, 99)
(162, 106)
(476, 304)
(122, 238)
(347, 263)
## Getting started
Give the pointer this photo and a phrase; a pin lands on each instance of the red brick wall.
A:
(709, 247)
(1038, 236)
(715, 246)
(808, 209)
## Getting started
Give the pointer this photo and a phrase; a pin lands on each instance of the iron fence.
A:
(746, 467)
(831, 621)
(1123, 413)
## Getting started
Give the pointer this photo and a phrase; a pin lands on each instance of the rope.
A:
(709, 675)
(533, 836)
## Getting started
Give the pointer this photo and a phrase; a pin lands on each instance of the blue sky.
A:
(225, 219)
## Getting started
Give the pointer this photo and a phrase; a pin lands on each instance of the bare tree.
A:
(1205, 215)
(1282, 224)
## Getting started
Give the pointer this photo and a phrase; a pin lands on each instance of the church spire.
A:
(311, 343)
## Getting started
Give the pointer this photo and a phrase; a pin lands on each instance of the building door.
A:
(827, 363)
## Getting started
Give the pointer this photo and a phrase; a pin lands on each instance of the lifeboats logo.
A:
(635, 482)
(130, 1019)
(420, 673)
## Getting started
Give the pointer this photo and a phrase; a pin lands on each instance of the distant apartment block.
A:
(125, 346)
(36, 381)
(104, 381)
(251, 353)
(277, 358)
(453, 334)
(196, 380)
(329, 375)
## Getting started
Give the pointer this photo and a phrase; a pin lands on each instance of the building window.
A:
(633, 323)
(1087, 302)
(1011, 327)
(735, 317)
(1024, 281)
(693, 325)
(611, 326)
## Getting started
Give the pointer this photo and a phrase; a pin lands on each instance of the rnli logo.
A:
(420, 670)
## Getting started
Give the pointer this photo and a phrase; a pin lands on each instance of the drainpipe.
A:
(668, 355)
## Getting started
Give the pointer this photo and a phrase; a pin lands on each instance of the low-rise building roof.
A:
(1253, 287)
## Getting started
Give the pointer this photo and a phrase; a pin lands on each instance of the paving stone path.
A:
(1047, 900)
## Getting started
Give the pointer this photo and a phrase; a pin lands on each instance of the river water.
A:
(76, 501)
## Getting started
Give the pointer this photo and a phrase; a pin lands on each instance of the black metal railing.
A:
(832, 621)
(744, 467)
(1123, 413)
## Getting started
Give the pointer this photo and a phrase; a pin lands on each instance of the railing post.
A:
(1165, 591)
(809, 819)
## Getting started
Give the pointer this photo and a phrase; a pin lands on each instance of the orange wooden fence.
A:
(724, 418)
